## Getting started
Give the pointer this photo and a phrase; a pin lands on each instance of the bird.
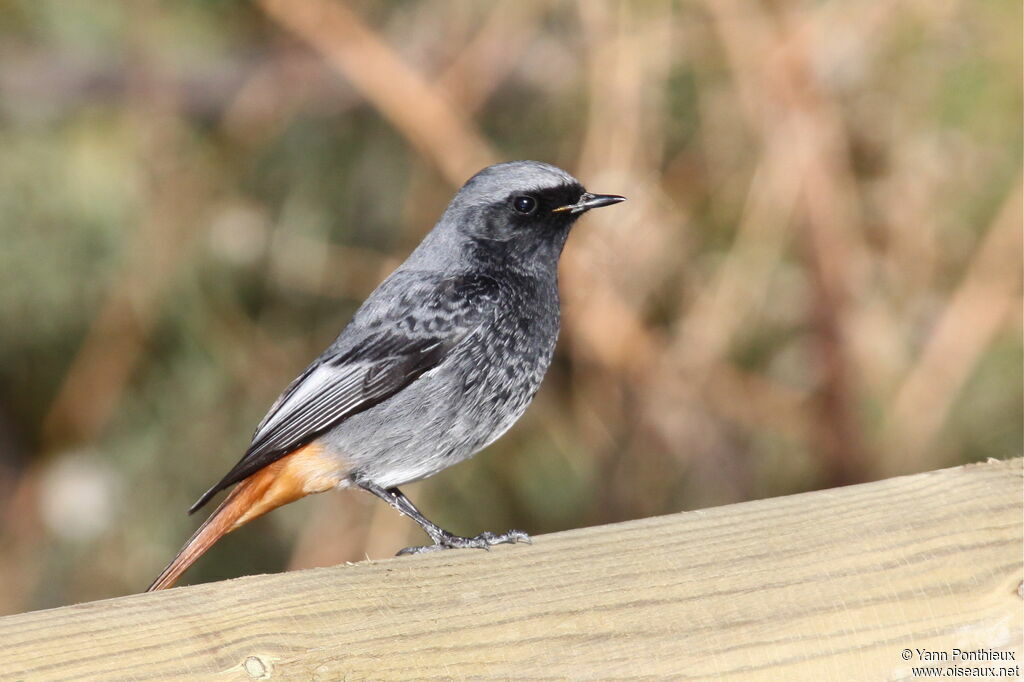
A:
(437, 363)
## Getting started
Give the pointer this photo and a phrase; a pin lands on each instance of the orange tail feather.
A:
(296, 475)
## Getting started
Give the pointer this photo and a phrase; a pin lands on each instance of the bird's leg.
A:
(442, 538)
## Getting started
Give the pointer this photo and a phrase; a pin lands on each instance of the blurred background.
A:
(816, 281)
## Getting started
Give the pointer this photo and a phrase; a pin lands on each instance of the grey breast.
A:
(453, 411)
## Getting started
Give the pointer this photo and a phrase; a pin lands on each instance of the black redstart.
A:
(435, 365)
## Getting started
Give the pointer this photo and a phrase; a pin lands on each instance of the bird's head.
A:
(518, 212)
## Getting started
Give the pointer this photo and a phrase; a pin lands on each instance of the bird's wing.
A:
(385, 349)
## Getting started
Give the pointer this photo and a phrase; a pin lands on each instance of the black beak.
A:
(589, 201)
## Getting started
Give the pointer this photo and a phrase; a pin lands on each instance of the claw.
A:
(482, 541)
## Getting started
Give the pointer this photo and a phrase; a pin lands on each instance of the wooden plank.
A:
(829, 585)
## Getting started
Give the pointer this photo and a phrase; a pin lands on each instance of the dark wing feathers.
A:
(371, 361)
(331, 392)
(288, 392)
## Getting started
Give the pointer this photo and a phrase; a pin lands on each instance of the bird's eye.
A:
(524, 204)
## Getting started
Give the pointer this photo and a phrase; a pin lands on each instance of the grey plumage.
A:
(447, 353)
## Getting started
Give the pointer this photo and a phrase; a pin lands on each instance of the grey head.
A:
(515, 215)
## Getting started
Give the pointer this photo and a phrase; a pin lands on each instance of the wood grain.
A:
(829, 585)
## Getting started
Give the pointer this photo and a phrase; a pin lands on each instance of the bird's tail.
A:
(300, 473)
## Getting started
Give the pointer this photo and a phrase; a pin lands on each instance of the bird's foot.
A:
(482, 541)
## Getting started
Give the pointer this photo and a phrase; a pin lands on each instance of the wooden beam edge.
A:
(380, 618)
